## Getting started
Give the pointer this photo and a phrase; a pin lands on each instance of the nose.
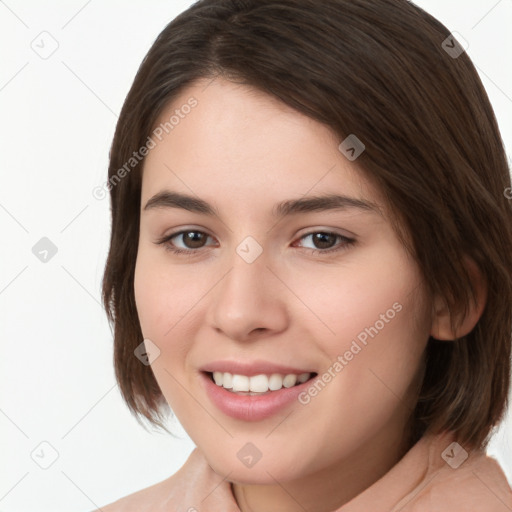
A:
(249, 302)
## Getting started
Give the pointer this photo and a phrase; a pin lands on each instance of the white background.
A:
(57, 119)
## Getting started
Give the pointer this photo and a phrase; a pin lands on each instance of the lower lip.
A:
(251, 407)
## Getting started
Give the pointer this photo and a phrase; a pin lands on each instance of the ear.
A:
(441, 318)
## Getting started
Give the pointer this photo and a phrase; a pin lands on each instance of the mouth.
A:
(252, 398)
(258, 385)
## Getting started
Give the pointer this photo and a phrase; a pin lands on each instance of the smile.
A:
(258, 384)
(254, 397)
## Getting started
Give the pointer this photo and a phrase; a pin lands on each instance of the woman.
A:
(311, 260)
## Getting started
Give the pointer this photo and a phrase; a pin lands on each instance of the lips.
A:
(253, 368)
(248, 405)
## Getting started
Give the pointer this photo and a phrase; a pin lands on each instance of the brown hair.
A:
(377, 69)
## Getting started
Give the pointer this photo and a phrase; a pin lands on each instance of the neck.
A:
(331, 487)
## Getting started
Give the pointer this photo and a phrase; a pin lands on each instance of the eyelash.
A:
(165, 241)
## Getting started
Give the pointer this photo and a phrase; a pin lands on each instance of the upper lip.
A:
(251, 368)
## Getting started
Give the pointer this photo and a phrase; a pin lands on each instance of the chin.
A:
(260, 472)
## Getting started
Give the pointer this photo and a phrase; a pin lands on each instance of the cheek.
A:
(375, 326)
(344, 301)
(381, 349)
(148, 298)
(163, 296)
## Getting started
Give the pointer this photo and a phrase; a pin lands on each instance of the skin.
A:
(195, 484)
(243, 151)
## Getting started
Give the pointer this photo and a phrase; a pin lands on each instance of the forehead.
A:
(240, 142)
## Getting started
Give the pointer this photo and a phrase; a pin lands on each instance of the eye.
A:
(325, 241)
(193, 240)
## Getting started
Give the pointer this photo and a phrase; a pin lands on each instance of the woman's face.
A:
(270, 289)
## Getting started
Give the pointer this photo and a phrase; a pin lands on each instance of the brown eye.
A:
(192, 239)
(325, 242)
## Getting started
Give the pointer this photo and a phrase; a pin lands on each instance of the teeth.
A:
(227, 380)
(275, 382)
(240, 383)
(303, 377)
(258, 383)
(289, 381)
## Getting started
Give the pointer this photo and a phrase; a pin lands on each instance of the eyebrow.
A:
(169, 199)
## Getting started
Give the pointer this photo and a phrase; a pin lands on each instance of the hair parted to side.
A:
(377, 69)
